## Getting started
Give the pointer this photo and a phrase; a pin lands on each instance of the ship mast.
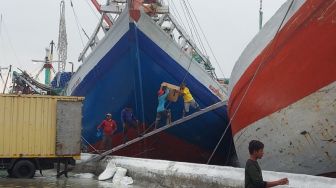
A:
(260, 15)
(47, 64)
(62, 40)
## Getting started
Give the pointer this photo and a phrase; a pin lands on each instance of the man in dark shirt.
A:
(128, 119)
(253, 175)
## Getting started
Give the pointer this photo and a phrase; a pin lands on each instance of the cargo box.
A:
(174, 91)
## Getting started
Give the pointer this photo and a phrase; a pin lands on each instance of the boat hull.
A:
(283, 93)
(130, 73)
(299, 138)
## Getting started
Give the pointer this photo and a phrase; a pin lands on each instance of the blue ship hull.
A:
(130, 74)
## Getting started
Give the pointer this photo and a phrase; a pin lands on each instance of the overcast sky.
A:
(28, 27)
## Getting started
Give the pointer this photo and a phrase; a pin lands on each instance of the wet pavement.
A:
(49, 180)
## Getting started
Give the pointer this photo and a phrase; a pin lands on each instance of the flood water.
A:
(49, 180)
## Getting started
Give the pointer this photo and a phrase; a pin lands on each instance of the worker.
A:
(128, 120)
(253, 175)
(161, 110)
(188, 99)
(109, 127)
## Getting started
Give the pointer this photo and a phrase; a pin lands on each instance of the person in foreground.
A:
(253, 175)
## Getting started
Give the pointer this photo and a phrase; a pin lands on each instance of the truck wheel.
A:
(24, 169)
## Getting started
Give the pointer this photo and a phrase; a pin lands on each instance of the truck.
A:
(39, 131)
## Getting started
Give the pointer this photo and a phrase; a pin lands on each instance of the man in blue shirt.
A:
(161, 110)
(128, 119)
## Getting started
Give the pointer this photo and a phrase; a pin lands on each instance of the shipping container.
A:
(39, 129)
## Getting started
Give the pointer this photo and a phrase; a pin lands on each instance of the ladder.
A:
(177, 122)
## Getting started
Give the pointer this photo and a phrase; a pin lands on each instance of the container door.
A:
(68, 127)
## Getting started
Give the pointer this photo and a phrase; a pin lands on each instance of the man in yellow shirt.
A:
(188, 99)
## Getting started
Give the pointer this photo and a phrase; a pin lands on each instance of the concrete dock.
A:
(179, 174)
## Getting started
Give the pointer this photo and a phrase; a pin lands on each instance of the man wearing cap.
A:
(161, 110)
(109, 127)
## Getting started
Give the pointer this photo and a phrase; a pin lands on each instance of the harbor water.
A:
(74, 180)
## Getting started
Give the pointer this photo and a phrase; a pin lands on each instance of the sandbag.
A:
(109, 171)
(120, 173)
(126, 181)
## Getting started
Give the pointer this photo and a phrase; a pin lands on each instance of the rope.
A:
(178, 14)
(9, 71)
(186, 18)
(220, 140)
(209, 46)
(195, 30)
(77, 23)
(206, 63)
(227, 157)
(10, 42)
(276, 41)
(181, 50)
(249, 85)
(90, 145)
(92, 10)
(199, 38)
